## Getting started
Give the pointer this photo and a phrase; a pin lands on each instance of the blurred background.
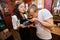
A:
(6, 11)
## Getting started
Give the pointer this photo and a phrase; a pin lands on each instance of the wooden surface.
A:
(56, 31)
(56, 34)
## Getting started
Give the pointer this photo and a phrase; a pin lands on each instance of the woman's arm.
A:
(16, 24)
(22, 26)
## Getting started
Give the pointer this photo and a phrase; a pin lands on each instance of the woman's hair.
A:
(32, 6)
(16, 11)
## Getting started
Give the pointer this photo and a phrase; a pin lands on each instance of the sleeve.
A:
(47, 14)
(14, 22)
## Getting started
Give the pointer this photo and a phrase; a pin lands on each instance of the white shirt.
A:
(42, 32)
(16, 21)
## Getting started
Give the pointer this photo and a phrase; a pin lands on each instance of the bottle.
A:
(26, 22)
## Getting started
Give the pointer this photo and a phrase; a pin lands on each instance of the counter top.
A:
(56, 31)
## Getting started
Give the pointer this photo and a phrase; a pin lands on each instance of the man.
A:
(43, 22)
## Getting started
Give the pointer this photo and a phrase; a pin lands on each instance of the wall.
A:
(48, 4)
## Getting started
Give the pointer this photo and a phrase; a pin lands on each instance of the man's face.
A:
(32, 13)
(35, 14)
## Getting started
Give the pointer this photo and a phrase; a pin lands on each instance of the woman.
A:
(43, 22)
(20, 12)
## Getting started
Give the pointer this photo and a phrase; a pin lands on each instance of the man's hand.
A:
(34, 19)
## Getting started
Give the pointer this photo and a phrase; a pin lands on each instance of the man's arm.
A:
(46, 23)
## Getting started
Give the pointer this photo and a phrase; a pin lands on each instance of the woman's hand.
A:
(22, 26)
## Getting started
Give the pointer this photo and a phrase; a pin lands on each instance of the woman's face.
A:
(21, 8)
